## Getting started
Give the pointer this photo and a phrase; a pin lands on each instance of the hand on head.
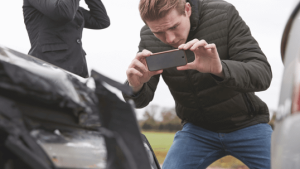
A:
(138, 73)
(206, 57)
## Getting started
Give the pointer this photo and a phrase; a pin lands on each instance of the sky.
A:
(110, 51)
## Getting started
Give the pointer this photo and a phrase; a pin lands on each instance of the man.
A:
(55, 30)
(214, 92)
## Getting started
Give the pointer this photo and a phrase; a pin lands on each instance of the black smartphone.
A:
(166, 59)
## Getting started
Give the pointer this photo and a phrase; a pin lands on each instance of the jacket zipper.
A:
(190, 83)
(249, 104)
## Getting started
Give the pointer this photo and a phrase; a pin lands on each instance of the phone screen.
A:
(167, 59)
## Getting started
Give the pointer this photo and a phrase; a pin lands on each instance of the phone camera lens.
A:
(182, 56)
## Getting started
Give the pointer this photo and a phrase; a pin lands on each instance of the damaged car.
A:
(51, 119)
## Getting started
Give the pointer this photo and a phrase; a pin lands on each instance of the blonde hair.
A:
(155, 9)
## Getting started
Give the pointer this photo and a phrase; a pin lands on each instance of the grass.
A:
(162, 141)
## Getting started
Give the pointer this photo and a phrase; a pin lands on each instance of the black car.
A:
(51, 119)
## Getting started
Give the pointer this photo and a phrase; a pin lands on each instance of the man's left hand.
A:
(207, 58)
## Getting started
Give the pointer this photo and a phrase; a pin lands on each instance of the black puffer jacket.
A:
(201, 98)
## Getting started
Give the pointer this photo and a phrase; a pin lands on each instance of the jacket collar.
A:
(194, 19)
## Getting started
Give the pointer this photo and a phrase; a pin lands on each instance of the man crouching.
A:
(214, 92)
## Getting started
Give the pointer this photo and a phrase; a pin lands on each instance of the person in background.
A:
(55, 30)
(214, 93)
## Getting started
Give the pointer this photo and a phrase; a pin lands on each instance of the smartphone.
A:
(166, 59)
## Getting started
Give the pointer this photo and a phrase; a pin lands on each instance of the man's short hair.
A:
(151, 10)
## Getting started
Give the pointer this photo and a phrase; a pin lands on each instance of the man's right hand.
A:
(138, 73)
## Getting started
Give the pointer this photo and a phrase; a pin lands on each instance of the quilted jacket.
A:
(220, 105)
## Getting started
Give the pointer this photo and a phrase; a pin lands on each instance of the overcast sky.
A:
(111, 50)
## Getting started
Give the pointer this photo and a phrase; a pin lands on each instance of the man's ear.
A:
(188, 9)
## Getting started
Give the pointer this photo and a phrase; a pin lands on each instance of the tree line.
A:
(170, 122)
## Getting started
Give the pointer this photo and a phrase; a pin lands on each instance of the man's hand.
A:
(138, 73)
(206, 57)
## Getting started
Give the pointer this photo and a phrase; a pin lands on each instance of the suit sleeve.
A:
(247, 69)
(97, 17)
(58, 10)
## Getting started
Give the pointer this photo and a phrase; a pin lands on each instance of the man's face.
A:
(172, 29)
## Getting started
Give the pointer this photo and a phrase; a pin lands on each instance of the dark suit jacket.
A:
(55, 29)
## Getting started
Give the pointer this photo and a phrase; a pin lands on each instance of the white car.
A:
(285, 146)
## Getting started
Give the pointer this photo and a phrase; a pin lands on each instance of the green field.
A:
(162, 141)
